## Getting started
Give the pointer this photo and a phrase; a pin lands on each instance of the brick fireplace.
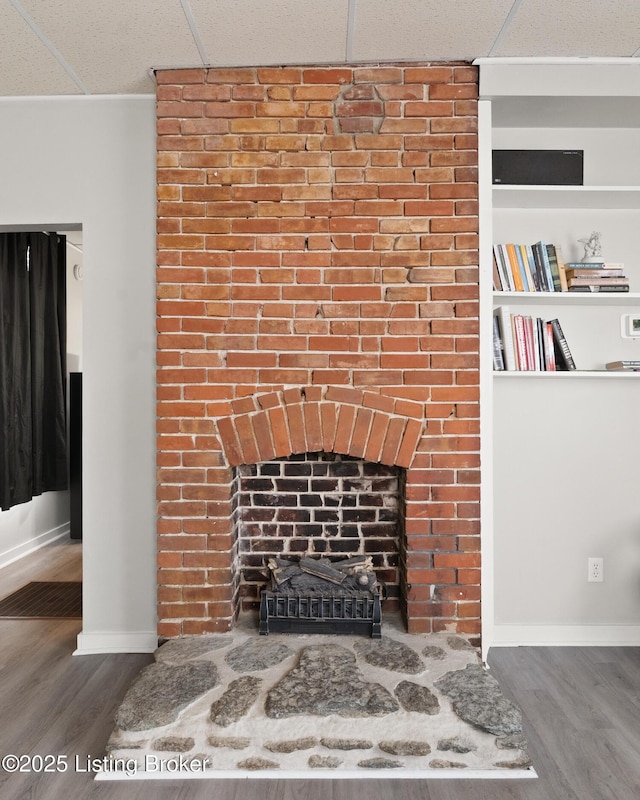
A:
(318, 306)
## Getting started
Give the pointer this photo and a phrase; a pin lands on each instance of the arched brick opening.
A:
(314, 419)
(334, 420)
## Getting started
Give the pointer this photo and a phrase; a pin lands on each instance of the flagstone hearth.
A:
(242, 703)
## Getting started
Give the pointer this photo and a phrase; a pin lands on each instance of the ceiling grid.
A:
(82, 47)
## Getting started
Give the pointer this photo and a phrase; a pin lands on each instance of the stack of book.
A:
(525, 343)
(596, 276)
(624, 366)
(528, 268)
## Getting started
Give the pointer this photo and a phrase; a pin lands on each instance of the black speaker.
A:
(538, 167)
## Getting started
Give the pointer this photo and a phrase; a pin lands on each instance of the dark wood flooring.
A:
(581, 709)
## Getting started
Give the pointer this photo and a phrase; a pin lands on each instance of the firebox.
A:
(298, 517)
(318, 504)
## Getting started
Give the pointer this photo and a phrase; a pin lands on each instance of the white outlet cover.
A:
(595, 567)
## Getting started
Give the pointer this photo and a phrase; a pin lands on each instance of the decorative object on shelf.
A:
(592, 248)
(631, 365)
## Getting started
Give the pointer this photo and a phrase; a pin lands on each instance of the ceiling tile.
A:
(426, 29)
(111, 45)
(26, 65)
(573, 28)
(246, 32)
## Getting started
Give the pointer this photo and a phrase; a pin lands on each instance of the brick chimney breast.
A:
(317, 294)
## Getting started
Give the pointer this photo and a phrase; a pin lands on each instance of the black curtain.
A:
(33, 439)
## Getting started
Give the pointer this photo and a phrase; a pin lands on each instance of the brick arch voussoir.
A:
(330, 419)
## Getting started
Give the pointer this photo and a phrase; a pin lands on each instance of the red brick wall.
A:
(317, 227)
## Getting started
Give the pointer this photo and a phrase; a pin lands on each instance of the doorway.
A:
(35, 537)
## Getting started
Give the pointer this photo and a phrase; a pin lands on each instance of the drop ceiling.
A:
(88, 47)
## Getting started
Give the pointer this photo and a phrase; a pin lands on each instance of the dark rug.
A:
(44, 600)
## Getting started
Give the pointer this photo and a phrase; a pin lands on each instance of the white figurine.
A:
(592, 247)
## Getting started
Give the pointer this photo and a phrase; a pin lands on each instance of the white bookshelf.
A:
(559, 448)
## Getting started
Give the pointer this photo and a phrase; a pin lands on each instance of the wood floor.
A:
(581, 709)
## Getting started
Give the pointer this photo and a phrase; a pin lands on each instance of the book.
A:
(544, 268)
(532, 266)
(599, 288)
(584, 264)
(527, 276)
(534, 343)
(630, 365)
(542, 355)
(562, 269)
(506, 333)
(574, 272)
(498, 359)
(549, 349)
(596, 281)
(507, 276)
(553, 265)
(505, 269)
(515, 267)
(497, 280)
(521, 269)
(564, 359)
(520, 342)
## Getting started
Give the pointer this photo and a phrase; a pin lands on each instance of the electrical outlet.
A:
(595, 572)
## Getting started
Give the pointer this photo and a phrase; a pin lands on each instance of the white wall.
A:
(31, 525)
(90, 162)
(74, 305)
(566, 489)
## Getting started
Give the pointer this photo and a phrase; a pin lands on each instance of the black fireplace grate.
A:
(351, 614)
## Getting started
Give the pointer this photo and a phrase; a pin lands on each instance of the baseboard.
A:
(565, 635)
(42, 540)
(116, 642)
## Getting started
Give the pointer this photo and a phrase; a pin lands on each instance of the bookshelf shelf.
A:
(566, 197)
(570, 298)
(576, 374)
(533, 111)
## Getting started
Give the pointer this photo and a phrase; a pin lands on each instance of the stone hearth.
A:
(328, 704)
